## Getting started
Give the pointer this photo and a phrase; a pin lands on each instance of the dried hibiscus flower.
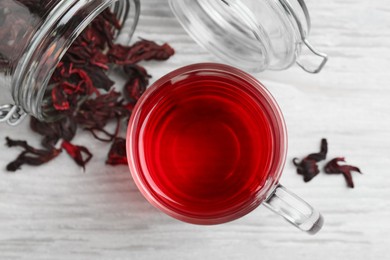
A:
(117, 154)
(30, 155)
(334, 168)
(309, 169)
(142, 50)
(82, 95)
(308, 166)
(80, 154)
(137, 83)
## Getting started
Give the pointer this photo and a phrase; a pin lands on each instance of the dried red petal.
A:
(74, 79)
(100, 79)
(117, 154)
(111, 18)
(308, 166)
(60, 99)
(129, 107)
(133, 70)
(99, 60)
(149, 50)
(334, 168)
(80, 154)
(85, 81)
(107, 137)
(119, 54)
(137, 84)
(96, 113)
(52, 132)
(77, 55)
(69, 88)
(93, 37)
(322, 154)
(30, 155)
(142, 50)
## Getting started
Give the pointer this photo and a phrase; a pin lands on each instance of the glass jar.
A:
(34, 36)
(254, 35)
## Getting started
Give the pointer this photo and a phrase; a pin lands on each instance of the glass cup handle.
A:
(294, 210)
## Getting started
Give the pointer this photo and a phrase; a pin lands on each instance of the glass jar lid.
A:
(254, 35)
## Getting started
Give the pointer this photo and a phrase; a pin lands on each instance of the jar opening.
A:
(65, 23)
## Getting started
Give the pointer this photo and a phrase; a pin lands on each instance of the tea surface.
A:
(207, 145)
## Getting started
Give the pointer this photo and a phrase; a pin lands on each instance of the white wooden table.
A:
(59, 212)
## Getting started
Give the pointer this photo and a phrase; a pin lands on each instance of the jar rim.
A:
(55, 36)
(300, 14)
(306, 13)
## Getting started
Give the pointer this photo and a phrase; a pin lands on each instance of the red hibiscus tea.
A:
(204, 144)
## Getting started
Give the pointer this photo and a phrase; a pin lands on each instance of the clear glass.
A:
(271, 193)
(254, 35)
(34, 37)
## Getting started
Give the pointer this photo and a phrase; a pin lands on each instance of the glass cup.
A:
(207, 144)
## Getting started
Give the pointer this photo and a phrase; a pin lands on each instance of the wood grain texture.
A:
(59, 212)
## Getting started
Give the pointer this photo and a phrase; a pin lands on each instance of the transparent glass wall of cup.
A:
(254, 35)
(270, 193)
(34, 36)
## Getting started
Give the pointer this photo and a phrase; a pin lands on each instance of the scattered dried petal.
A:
(137, 83)
(64, 128)
(97, 132)
(117, 154)
(308, 166)
(96, 113)
(30, 155)
(142, 50)
(100, 60)
(322, 154)
(99, 78)
(80, 154)
(334, 168)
